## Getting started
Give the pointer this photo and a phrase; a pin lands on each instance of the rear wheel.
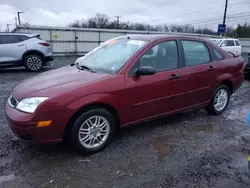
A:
(33, 62)
(247, 76)
(92, 131)
(219, 102)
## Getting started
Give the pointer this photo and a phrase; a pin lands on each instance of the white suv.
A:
(231, 46)
(19, 49)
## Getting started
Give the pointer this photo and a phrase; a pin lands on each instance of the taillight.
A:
(44, 43)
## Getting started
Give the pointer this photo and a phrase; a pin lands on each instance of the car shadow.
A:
(189, 115)
(64, 149)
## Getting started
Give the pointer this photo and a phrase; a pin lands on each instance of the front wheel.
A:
(92, 131)
(219, 102)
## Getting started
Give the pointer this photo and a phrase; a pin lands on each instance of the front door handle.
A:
(174, 77)
(21, 45)
(211, 68)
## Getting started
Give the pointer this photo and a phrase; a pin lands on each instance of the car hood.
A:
(55, 81)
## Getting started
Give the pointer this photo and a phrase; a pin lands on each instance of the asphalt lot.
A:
(191, 149)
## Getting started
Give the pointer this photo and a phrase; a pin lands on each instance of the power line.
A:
(238, 15)
(229, 18)
(203, 10)
(214, 23)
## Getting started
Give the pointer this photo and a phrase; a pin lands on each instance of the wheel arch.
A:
(85, 108)
(30, 52)
(227, 80)
(229, 84)
(231, 53)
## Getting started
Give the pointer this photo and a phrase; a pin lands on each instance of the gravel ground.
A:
(191, 149)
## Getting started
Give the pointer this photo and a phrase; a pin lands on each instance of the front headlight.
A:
(29, 105)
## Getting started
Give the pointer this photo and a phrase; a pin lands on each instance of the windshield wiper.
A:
(83, 67)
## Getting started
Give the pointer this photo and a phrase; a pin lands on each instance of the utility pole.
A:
(117, 22)
(18, 15)
(16, 21)
(225, 13)
(8, 29)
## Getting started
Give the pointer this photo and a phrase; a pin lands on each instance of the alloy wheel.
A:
(221, 99)
(94, 132)
(34, 63)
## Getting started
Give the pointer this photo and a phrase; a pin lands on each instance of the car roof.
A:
(25, 34)
(153, 37)
(224, 39)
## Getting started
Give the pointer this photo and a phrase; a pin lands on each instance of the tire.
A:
(247, 76)
(90, 144)
(214, 109)
(33, 62)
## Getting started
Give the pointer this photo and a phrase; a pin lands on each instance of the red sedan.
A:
(124, 81)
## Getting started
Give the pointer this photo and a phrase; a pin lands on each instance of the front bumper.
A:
(24, 125)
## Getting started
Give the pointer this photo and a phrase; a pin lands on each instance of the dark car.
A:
(124, 81)
(247, 68)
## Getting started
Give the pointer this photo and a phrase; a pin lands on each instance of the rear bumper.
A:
(237, 82)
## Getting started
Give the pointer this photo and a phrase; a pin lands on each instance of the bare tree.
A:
(92, 23)
(101, 20)
(75, 24)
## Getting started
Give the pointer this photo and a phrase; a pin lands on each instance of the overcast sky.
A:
(63, 12)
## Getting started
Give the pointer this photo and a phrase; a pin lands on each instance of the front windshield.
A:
(110, 56)
(217, 42)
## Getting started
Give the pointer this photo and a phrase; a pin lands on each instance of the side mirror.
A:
(145, 70)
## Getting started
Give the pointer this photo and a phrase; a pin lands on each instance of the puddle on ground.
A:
(205, 128)
(6, 178)
(162, 147)
(239, 113)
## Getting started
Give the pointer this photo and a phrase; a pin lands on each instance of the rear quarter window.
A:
(22, 37)
(218, 55)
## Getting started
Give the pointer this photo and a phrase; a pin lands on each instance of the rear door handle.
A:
(21, 45)
(174, 77)
(211, 68)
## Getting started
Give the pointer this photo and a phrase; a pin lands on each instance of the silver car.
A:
(19, 49)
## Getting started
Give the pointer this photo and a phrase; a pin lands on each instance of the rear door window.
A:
(9, 39)
(195, 53)
(226, 43)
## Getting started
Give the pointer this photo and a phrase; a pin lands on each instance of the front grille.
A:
(12, 101)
